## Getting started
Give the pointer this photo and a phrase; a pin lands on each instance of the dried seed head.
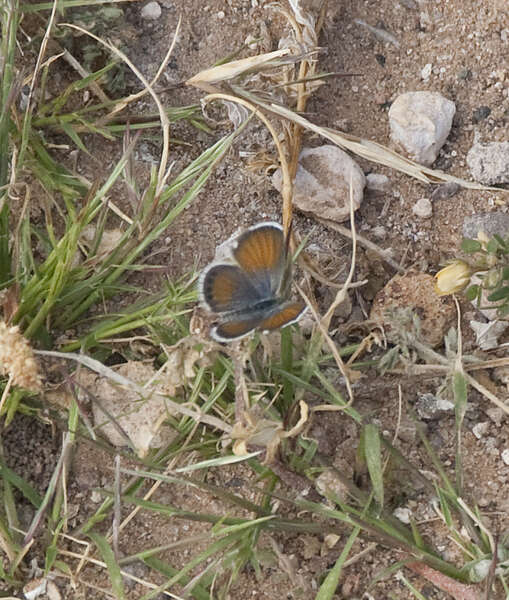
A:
(17, 359)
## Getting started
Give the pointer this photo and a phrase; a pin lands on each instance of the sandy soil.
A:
(466, 42)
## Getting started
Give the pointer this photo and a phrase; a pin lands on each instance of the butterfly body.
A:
(251, 290)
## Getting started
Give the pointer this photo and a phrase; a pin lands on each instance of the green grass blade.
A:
(25, 488)
(68, 130)
(373, 456)
(108, 557)
(329, 586)
(212, 551)
(197, 591)
(460, 390)
(414, 591)
(218, 462)
(9, 27)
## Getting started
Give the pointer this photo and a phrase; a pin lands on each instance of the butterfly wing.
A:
(261, 253)
(234, 330)
(287, 313)
(225, 288)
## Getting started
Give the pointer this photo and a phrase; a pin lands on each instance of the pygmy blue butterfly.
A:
(250, 290)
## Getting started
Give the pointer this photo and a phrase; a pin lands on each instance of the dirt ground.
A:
(467, 44)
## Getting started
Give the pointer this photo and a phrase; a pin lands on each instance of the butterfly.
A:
(251, 289)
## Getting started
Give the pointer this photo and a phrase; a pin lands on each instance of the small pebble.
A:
(465, 74)
(379, 232)
(489, 163)
(377, 182)
(480, 429)
(445, 191)
(496, 415)
(221, 14)
(423, 208)
(420, 123)
(96, 496)
(52, 591)
(322, 183)
(480, 114)
(430, 407)
(505, 456)
(410, 4)
(403, 514)
(151, 11)
(426, 71)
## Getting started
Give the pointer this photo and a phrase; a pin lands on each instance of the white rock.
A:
(443, 404)
(96, 496)
(480, 570)
(379, 232)
(420, 123)
(479, 429)
(403, 514)
(152, 11)
(322, 183)
(487, 334)
(426, 71)
(423, 208)
(489, 163)
(53, 592)
(140, 419)
(505, 456)
(377, 182)
(496, 414)
(501, 374)
(34, 589)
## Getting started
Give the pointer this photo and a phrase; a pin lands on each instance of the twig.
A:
(458, 590)
(116, 509)
(362, 241)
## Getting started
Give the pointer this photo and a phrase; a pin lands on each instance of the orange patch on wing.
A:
(235, 329)
(259, 249)
(222, 288)
(288, 314)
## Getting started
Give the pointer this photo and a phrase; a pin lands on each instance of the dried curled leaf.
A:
(234, 68)
(256, 431)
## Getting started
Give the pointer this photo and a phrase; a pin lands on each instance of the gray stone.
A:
(496, 415)
(322, 183)
(151, 11)
(430, 407)
(445, 191)
(489, 163)
(423, 208)
(493, 223)
(420, 123)
(377, 182)
(480, 429)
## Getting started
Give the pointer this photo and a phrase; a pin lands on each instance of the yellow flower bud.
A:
(482, 238)
(453, 278)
